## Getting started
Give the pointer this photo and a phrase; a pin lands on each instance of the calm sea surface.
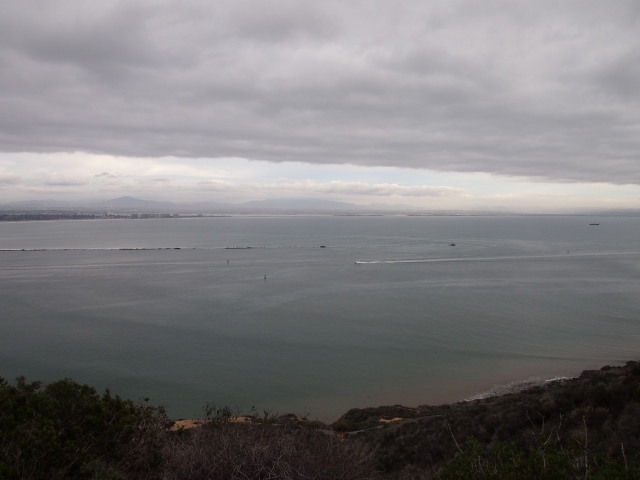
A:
(417, 321)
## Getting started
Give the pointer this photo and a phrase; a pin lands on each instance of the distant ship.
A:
(594, 224)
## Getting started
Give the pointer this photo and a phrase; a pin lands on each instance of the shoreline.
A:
(516, 387)
(499, 390)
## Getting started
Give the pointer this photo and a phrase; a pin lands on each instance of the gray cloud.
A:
(8, 179)
(61, 180)
(336, 187)
(544, 89)
(377, 189)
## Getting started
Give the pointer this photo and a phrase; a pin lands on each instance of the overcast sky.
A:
(448, 104)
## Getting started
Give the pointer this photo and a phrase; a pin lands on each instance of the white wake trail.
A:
(494, 259)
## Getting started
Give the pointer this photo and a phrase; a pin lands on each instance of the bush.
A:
(229, 451)
(66, 430)
(547, 462)
(605, 402)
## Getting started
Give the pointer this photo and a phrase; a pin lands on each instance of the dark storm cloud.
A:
(548, 90)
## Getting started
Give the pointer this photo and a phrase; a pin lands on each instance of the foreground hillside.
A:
(596, 415)
(587, 427)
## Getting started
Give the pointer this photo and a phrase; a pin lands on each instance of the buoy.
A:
(265, 277)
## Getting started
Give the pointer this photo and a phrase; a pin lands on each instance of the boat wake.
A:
(493, 259)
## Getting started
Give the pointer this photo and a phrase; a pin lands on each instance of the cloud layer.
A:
(337, 187)
(85, 178)
(547, 89)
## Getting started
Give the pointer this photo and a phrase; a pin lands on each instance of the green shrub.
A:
(67, 430)
(505, 461)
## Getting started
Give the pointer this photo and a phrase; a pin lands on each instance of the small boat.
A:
(594, 224)
(323, 246)
(452, 244)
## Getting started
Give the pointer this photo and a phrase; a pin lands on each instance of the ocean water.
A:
(388, 312)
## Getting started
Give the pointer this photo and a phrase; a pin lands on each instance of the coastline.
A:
(397, 413)
(517, 386)
(600, 405)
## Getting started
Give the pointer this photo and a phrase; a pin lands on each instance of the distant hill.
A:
(393, 206)
(207, 205)
(130, 202)
(38, 204)
(299, 203)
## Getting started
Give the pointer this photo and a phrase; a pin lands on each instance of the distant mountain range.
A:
(275, 205)
(130, 202)
(299, 203)
(40, 204)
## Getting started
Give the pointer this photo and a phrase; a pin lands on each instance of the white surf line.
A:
(515, 387)
(488, 259)
(102, 266)
(115, 249)
(91, 249)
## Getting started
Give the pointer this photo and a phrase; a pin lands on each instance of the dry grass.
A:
(231, 450)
